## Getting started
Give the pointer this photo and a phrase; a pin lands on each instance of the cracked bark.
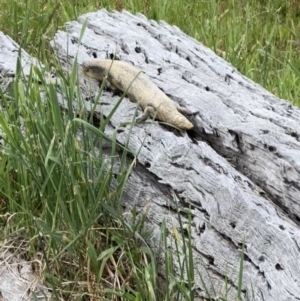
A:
(238, 169)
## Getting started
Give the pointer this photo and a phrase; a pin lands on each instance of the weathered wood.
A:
(9, 54)
(243, 122)
(18, 280)
(244, 125)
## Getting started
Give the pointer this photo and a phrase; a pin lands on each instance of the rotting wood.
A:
(249, 136)
(241, 121)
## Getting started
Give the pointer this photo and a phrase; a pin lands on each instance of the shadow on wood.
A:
(238, 169)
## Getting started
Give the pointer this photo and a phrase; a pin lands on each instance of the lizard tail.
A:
(178, 120)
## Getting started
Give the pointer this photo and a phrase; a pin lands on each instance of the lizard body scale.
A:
(142, 90)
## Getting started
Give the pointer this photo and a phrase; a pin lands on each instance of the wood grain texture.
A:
(241, 181)
(238, 170)
(244, 123)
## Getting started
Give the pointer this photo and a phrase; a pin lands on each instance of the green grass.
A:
(64, 196)
(260, 38)
(63, 200)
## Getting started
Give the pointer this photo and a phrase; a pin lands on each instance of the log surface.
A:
(238, 170)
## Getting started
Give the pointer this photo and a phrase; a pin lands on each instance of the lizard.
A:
(153, 101)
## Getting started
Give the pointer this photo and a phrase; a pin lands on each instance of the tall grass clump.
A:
(61, 193)
(57, 185)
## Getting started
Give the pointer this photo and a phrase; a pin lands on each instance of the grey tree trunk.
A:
(238, 169)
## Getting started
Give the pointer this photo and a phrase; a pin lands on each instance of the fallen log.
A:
(238, 169)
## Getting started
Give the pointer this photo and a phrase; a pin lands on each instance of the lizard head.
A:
(94, 69)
